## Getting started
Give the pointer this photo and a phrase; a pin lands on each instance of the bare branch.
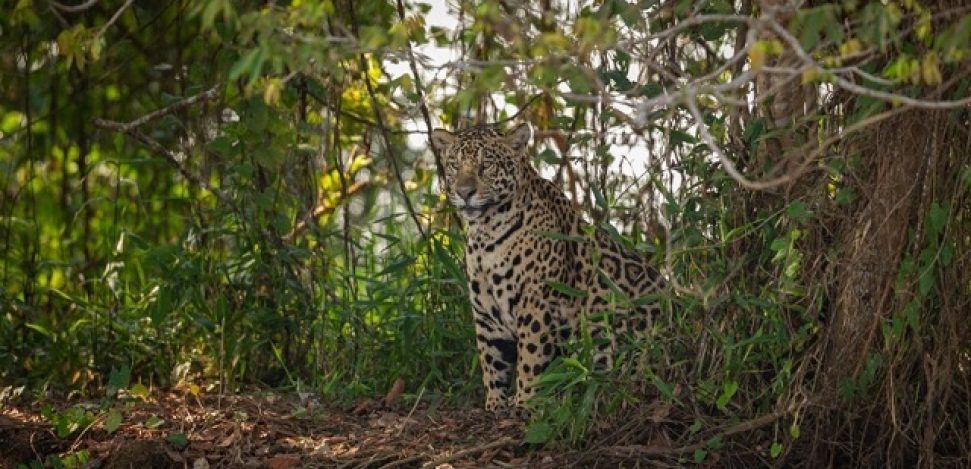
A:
(131, 129)
(207, 95)
(114, 17)
(500, 443)
(692, 104)
(73, 8)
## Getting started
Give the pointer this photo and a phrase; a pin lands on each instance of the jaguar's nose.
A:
(465, 192)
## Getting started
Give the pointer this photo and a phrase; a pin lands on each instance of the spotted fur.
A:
(517, 270)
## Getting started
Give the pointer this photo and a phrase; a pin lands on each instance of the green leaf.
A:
(74, 460)
(549, 156)
(665, 389)
(650, 90)
(178, 439)
(810, 23)
(398, 265)
(715, 31)
(538, 432)
(947, 254)
(373, 37)
(445, 259)
(41, 329)
(55, 462)
(780, 244)
(565, 289)
(492, 77)
(113, 421)
(848, 388)
(678, 137)
(794, 431)
(223, 146)
(695, 427)
(617, 79)
(912, 316)
(937, 219)
(12, 121)
(729, 388)
(775, 450)
(599, 198)
(139, 390)
(579, 83)
(245, 64)
(118, 380)
(844, 196)
(798, 211)
(879, 25)
(753, 130)
(572, 362)
(699, 455)
(926, 282)
(154, 422)
(953, 42)
(213, 8)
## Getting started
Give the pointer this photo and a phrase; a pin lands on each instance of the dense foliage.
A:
(233, 193)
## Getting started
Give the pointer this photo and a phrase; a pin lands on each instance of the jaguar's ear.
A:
(518, 139)
(441, 139)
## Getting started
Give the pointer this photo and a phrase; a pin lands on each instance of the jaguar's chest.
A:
(497, 275)
(496, 270)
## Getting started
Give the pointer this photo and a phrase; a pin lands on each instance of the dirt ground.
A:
(185, 430)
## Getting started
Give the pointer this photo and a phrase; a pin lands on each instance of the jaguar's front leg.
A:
(497, 357)
(536, 347)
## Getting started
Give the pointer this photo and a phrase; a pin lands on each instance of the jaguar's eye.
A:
(483, 166)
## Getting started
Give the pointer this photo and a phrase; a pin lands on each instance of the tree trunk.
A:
(872, 242)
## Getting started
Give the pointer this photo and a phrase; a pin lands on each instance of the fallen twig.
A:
(404, 423)
(501, 442)
(643, 450)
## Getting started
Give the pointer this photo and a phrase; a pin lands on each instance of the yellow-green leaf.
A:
(113, 421)
(930, 70)
(139, 390)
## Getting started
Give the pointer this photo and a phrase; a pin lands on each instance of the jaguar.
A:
(535, 267)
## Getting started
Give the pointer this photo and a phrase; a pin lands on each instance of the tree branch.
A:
(73, 8)
(114, 17)
(422, 105)
(132, 129)
(126, 127)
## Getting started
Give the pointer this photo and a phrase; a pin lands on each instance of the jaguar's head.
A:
(483, 167)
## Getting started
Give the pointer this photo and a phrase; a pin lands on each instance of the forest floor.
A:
(176, 430)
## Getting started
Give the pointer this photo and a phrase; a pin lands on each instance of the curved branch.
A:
(692, 104)
(73, 8)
